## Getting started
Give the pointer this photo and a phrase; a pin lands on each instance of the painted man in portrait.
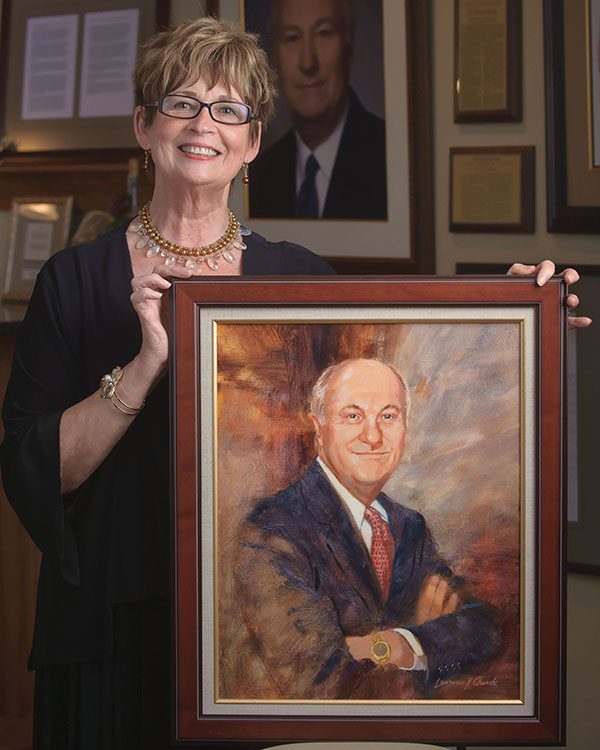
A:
(342, 590)
(332, 162)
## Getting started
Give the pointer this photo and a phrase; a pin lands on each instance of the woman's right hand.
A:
(146, 298)
(82, 450)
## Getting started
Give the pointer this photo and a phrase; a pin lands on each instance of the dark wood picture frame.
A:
(197, 307)
(562, 216)
(513, 71)
(583, 554)
(526, 221)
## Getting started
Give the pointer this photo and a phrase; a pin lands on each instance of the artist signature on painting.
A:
(468, 682)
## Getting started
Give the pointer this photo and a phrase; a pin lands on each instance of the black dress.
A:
(101, 638)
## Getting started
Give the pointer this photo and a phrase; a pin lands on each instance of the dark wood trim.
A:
(163, 12)
(420, 139)
(212, 8)
(584, 568)
(92, 176)
(4, 38)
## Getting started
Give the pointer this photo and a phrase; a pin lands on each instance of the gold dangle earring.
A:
(146, 159)
(245, 178)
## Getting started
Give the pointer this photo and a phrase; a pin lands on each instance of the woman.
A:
(89, 475)
(87, 467)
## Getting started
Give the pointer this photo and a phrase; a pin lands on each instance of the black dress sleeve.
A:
(264, 258)
(43, 383)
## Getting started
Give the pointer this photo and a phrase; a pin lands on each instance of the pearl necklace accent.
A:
(192, 257)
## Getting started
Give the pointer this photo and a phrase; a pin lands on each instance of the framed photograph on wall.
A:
(571, 67)
(353, 196)
(39, 227)
(448, 393)
(488, 67)
(316, 100)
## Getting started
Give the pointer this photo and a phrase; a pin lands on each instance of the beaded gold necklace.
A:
(191, 257)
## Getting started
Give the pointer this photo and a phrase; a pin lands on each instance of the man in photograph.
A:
(341, 589)
(332, 163)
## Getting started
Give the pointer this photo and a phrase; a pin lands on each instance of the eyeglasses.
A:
(186, 108)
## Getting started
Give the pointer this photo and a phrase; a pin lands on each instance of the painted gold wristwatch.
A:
(380, 649)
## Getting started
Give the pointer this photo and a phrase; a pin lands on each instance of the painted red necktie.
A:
(382, 549)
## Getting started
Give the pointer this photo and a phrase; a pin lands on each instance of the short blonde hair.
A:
(214, 49)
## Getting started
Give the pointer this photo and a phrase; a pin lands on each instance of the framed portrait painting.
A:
(358, 474)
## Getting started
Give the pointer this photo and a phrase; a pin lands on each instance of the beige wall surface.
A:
(452, 247)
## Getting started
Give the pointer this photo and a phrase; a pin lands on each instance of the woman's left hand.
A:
(544, 271)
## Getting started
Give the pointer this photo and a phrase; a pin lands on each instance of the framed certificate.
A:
(487, 61)
(492, 189)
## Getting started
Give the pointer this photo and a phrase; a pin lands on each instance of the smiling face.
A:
(362, 435)
(313, 57)
(199, 151)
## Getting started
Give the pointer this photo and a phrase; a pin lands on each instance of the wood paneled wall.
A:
(19, 566)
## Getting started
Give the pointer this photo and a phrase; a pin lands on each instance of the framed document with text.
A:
(492, 189)
(488, 66)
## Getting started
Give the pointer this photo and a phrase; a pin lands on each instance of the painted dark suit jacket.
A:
(358, 188)
(306, 581)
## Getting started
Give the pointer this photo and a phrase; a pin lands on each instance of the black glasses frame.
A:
(208, 105)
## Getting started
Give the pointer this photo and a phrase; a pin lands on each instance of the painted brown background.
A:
(461, 464)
